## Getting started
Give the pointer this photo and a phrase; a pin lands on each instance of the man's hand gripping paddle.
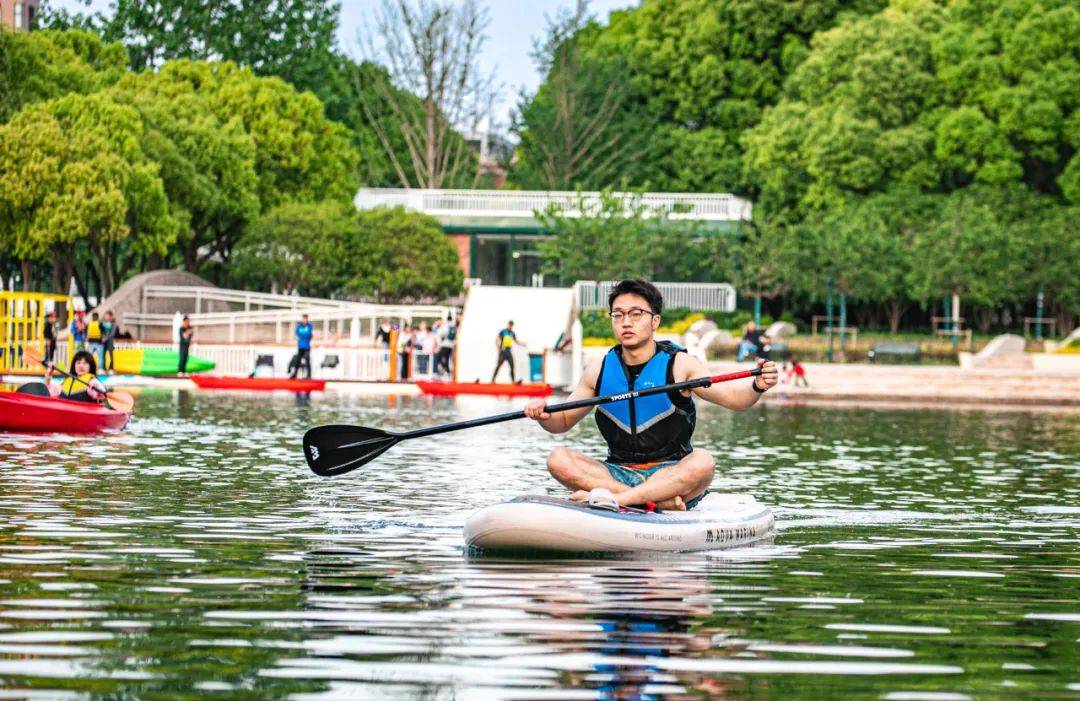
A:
(336, 449)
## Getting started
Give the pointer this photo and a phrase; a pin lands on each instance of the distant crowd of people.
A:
(97, 336)
(423, 351)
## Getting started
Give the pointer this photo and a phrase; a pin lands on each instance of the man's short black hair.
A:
(641, 288)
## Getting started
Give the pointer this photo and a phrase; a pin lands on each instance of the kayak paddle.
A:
(338, 448)
(120, 401)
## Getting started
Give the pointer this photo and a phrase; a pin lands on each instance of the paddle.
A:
(120, 401)
(336, 449)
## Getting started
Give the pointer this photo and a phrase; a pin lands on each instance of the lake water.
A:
(919, 554)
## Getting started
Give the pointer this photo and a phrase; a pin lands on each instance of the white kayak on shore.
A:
(540, 523)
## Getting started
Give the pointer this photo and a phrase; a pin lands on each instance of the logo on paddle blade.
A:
(314, 452)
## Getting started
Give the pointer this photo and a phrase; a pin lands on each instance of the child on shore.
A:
(796, 371)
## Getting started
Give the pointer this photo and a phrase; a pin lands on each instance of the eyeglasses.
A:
(633, 314)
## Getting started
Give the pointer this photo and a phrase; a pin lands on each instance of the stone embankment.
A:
(943, 386)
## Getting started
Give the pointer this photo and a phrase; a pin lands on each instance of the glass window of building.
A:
(18, 15)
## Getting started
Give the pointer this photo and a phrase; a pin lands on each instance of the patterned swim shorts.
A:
(633, 475)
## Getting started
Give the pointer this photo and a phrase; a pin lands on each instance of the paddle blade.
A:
(31, 356)
(121, 401)
(337, 449)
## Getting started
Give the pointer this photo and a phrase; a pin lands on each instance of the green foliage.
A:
(327, 249)
(300, 155)
(616, 238)
(73, 175)
(303, 247)
(38, 66)
(927, 150)
(207, 165)
(696, 74)
(401, 255)
(292, 40)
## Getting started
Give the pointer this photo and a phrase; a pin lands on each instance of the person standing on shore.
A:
(93, 338)
(447, 341)
(186, 334)
(304, 332)
(78, 330)
(404, 349)
(109, 330)
(50, 338)
(505, 341)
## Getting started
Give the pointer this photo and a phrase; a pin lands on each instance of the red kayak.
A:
(450, 389)
(31, 413)
(259, 384)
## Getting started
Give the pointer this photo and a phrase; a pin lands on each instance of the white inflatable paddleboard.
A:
(559, 525)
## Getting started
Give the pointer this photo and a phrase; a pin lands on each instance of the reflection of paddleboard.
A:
(547, 524)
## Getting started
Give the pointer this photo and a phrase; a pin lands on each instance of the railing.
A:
(699, 296)
(265, 299)
(510, 203)
(366, 364)
(354, 321)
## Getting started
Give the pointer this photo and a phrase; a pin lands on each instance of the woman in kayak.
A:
(650, 459)
(86, 389)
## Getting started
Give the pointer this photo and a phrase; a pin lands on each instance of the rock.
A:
(701, 326)
(780, 329)
(1005, 351)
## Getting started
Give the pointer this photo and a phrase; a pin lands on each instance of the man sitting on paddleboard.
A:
(650, 458)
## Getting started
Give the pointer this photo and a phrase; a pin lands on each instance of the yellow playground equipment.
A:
(23, 316)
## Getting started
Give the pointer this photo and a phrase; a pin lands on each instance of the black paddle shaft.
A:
(337, 449)
(591, 401)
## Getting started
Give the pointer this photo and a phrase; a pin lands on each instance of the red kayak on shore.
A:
(31, 413)
(451, 389)
(258, 384)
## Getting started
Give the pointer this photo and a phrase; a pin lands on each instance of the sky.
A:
(514, 24)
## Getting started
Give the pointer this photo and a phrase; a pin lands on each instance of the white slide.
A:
(538, 523)
(539, 314)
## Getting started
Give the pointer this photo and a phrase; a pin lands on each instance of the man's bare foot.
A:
(579, 495)
(673, 504)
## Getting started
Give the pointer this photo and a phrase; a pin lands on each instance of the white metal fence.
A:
(518, 203)
(366, 364)
(699, 296)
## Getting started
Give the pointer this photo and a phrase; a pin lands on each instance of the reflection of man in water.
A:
(642, 611)
(504, 343)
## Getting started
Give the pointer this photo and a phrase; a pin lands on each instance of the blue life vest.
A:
(645, 429)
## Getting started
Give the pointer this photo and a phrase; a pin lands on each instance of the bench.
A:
(895, 349)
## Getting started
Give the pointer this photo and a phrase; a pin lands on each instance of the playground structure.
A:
(23, 316)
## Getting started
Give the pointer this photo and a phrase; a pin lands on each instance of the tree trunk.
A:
(895, 310)
(27, 269)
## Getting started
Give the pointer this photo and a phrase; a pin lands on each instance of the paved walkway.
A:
(928, 384)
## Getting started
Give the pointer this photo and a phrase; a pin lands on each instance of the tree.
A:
(576, 129)
(397, 255)
(700, 72)
(297, 247)
(38, 66)
(614, 236)
(970, 248)
(207, 166)
(74, 179)
(300, 155)
(292, 40)
(327, 249)
(431, 50)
